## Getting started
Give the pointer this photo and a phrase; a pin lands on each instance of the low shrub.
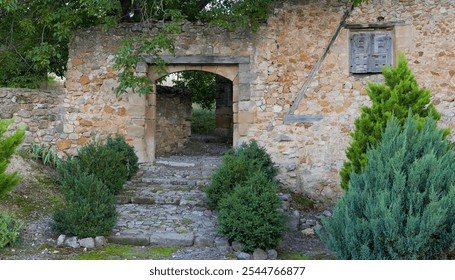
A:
(89, 207)
(402, 205)
(130, 160)
(105, 163)
(250, 214)
(9, 229)
(234, 169)
(237, 166)
(252, 151)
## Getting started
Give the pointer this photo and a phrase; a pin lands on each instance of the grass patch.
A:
(37, 193)
(203, 121)
(127, 252)
(301, 202)
(186, 222)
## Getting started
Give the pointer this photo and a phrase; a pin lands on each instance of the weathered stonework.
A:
(268, 71)
(40, 112)
(173, 115)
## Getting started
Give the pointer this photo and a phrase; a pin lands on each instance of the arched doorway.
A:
(226, 67)
(194, 113)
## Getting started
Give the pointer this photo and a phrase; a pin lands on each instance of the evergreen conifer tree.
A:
(8, 145)
(399, 93)
(402, 205)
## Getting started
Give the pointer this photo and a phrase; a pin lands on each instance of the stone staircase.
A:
(164, 204)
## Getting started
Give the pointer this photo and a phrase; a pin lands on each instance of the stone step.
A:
(153, 196)
(164, 225)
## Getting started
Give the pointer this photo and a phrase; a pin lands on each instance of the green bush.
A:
(232, 171)
(250, 214)
(105, 163)
(402, 205)
(9, 229)
(8, 145)
(259, 156)
(89, 207)
(237, 166)
(119, 144)
(399, 94)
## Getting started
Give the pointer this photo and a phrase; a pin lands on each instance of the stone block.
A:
(135, 131)
(170, 239)
(272, 254)
(136, 110)
(137, 239)
(100, 241)
(72, 242)
(61, 239)
(88, 243)
(68, 128)
(260, 254)
(242, 255)
(246, 117)
(84, 80)
(63, 144)
(243, 129)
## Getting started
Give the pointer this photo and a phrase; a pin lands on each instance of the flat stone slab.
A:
(131, 239)
(170, 239)
(175, 163)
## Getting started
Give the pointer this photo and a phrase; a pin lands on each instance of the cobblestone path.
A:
(164, 204)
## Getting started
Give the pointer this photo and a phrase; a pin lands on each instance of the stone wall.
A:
(173, 126)
(281, 57)
(40, 112)
(311, 154)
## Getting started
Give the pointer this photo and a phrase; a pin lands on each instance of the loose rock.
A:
(61, 240)
(100, 241)
(88, 243)
(308, 232)
(72, 242)
(237, 246)
(272, 254)
(243, 255)
(260, 254)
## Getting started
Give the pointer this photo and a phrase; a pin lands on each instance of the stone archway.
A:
(232, 68)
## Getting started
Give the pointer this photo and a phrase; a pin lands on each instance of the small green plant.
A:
(46, 154)
(259, 156)
(9, 229)
(108, 165)
(250, 214)
(237, 166)
(8, 145)
(89, 207)
(396, 96)
(402, 205)
(130, 160)
(233, 170)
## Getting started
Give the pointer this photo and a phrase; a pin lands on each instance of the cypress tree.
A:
(399, 93)
(8, 145)
(402, 205)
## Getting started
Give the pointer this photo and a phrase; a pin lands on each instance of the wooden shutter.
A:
(380, 52)
(360, 43)
(370, 51)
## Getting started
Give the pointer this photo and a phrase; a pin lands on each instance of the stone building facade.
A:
(292, 86)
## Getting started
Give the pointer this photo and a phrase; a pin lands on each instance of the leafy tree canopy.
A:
(34, 34)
